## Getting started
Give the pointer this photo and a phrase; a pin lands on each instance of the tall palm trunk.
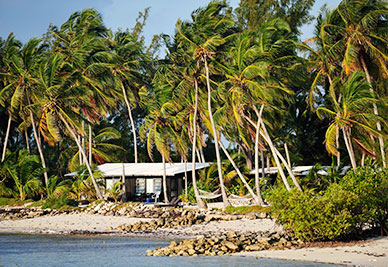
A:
(201, 204)
(215, 135)
(79, 150)
(132, 122)
(202, 155)
(83, 137)
(376, 112)
(257, 179)
(164, 180)
(27, 142)
(258, 200)
(6, 137)
(287, 154)
(337, 146)
(186, 177)
(90, 145)
(98, 193)
(268, 140)
(349, 147)
(273, 151)
(38, 144)
(124, 197)
(279, 155)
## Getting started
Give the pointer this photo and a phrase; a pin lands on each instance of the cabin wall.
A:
(175, 186)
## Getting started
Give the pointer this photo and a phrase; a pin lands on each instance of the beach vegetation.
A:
(235, 87)
(357, 202)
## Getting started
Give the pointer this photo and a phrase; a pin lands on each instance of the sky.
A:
(31, 18)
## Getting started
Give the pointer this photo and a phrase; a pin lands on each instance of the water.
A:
(51, 250)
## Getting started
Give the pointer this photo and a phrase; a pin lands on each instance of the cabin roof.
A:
(303, 170)
(145, 169)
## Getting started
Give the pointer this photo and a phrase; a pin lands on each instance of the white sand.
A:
(65, 223)
(243, 225)
(371, 253)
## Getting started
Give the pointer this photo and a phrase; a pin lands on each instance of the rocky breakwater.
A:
(18, 213)
(131, 209)
(228, 243)
(174, 218)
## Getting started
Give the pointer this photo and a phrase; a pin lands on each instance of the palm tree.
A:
(356, 36)
(82, 41)
(25, 171)
(22, 82)
(209, 24)
(102, 150)
(351, 114)
(127, 53)
(248, 74)
(57, 101)
(8, 50)
(157, 128)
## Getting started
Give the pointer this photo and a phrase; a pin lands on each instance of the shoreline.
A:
(372, 252)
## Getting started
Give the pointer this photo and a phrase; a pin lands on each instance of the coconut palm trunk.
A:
(90, 145)
(337, 147)
(27, 142)
(38, 144)
(279, 156)
(202, 155)
(215, 135)
(6, 137)
(257, 179)
(186, 177)
(83, 137)
(98, 193)
(257, 200)
(267, 138)
(376, 112)
(349, 147)
(132, 122)
(164, 180)
(201, 204)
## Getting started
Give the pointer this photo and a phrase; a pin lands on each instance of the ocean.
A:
(54, 250)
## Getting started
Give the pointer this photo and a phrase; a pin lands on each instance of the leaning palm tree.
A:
(22, 82)
(156, 130)
(351, 114)
(127, 53)
(102, 148)
(205, 35)
(8, 49)
(58, 101)
(355, 35)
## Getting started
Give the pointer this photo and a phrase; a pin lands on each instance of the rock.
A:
(191, 251)
(254, 248)
(231, 246)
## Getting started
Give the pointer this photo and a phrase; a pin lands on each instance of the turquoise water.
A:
(51, 250)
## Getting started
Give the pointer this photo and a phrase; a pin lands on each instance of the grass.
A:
(247, 209)
(5, 201)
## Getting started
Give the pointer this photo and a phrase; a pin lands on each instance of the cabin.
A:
(143, 181)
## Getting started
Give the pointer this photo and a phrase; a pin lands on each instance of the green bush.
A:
(371, 187)
(246, 209)
(359, 200)
(62, 202)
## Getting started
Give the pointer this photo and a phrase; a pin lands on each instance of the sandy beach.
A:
(373, 252)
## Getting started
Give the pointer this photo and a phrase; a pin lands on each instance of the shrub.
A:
(246, 209)
(62, 202)
(371, 187)
(359, 200)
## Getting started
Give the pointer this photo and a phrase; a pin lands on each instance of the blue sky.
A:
(31, 18)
